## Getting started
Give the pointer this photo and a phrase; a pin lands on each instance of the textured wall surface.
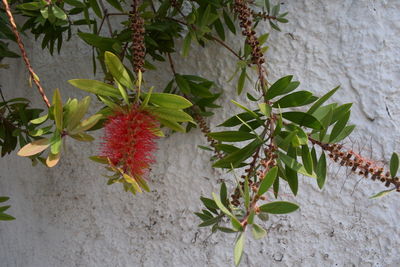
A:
(68, 216)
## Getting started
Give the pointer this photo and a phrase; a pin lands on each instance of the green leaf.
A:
(229, 23)
(221, 206)
(4, 199)
(75, 3)
(322, 100)
(223, 194)
(209, 203)
(6, 217)
(169, 100)
(96, 8)
(210, 221)
(40, 119)
(231, 136)
(339, 127)
(99, 159)
(30, 6)
(182, 83)
(172, 125)
(321, 171)
(58, 110)
(394, 164)
(123, 93)
(76, 112)
(295, 99)
(252, 113)
(293, 164)
(115, 4)
(265, 109)
(303, 119)
(34, 148)
(268, 181)
(170, 114)
(59, 13)
(237, 119)
(4, 208)
(291, 174)
(86, 124)
(382, 193)
(236, 158)
(258, 232)
(241, 81)
(238, 250)
(306, 158)
(95, 87)
(279, 207)
(186, 44)
(346, 132)
(55, 143)
(117, 69)
(278, 88)
(41, 131)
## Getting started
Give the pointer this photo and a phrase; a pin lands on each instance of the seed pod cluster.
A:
(206, 130)
(138, 48)
(359, 164)
(245, 17)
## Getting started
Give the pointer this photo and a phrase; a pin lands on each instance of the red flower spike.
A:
(130, 141)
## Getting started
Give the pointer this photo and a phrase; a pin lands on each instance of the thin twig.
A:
(105, 15)
(33, 75)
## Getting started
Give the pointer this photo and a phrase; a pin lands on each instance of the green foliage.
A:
(3, 215)
(270, 142)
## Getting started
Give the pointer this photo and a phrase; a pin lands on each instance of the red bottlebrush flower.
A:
(130, 141)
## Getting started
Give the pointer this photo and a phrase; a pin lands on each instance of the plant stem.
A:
(33, 75)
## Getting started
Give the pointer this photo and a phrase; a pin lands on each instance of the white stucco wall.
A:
(68, 216)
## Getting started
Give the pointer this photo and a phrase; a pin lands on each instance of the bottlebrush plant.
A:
(282, 131)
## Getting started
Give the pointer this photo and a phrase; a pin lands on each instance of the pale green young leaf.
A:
(117, 69)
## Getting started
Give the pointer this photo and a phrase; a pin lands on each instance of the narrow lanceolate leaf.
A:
(83, 137)
(382, 193)
(238, 250)
(231, 136)
(258, 232)
(117, 69)
(293, 164)
(278, 87)
(265, 109)
(172, 125)
(95, 87)
(346, 132)
(321, 170)
(279, 207)
(58, 110)
(4, 199)
(171, 114)
(40, 119)
(234, 159)
(303, 119)
(220, 205)
(86, 124)
(394, 164)
(322, 100)
(6, 217)
(75, 115)
(295, 99)
(241, 81)
(306, 158)
(339, 127)
(34, 148)
(169, 100)
(268, 181)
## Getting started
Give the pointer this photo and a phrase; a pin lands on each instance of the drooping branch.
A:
(21, 46)
(358, 164)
